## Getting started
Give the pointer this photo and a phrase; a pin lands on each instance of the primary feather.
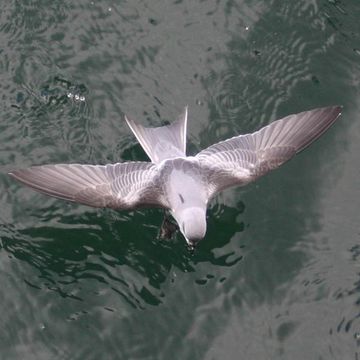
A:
(244, 158)
(120, 186)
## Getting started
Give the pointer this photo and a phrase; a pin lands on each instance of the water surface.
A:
(277, 276)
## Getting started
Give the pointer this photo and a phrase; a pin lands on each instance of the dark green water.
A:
(277, 276)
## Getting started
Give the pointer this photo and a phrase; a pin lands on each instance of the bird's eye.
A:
(181, 198)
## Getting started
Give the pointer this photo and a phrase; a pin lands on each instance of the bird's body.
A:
(185, 189)
(182, 184)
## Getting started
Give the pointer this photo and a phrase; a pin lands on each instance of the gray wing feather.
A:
(122, 186)
(242, 159)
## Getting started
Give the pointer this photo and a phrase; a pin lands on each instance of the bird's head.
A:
(192, 224)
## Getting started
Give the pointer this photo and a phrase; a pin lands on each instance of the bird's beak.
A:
(192, 244)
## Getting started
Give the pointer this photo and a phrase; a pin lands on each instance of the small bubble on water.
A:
(70, 95)
(198, 102)
(77, 97)
(82, 98)
(109, 9)
(246, 28)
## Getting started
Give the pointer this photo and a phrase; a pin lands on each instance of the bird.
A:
(181, 184)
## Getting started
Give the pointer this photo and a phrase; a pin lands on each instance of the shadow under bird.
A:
(182, 184)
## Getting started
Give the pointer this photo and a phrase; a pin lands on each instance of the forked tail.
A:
(164, 142)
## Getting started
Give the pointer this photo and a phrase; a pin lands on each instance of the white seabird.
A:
(182, 184)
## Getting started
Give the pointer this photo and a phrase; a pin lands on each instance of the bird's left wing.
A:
(122, 186)
(244, 158)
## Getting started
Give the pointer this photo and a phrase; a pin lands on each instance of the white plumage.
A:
(183, 184)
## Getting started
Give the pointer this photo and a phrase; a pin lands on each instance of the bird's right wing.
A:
(121, 186)
(244, 158)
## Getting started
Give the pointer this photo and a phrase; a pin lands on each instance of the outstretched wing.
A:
(122, 186)
(242, 159)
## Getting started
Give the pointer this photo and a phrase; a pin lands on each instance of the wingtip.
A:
(333, 111)
(337, 109)
(128, 121)
(19, 174)
(183, 116)
(12, 173)
(340, 108)
(186, 112)
(134, 127)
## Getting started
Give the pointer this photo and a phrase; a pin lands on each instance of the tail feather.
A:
(164, 142)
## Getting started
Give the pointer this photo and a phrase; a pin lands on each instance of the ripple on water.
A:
(247, 96)
(86, 257)
(79, 276)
